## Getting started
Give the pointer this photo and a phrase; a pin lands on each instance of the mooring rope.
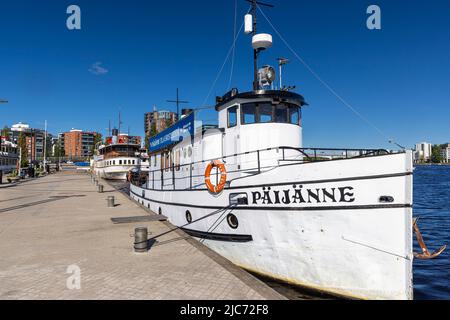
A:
(224, 63)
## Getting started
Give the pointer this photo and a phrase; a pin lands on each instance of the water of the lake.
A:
(432, 205)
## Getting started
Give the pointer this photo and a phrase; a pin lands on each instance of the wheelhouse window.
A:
(281, 113)
(232, 117)
(248, 112)
(295, 115)
(266, 112)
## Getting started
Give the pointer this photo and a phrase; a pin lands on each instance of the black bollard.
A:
(110, 201)
(140, 239)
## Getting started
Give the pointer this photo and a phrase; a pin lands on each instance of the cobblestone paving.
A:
(49, 224)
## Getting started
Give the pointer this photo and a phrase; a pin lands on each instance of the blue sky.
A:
(397, 77)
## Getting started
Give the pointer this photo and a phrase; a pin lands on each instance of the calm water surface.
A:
(432, 205)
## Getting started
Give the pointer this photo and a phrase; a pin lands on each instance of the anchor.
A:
(425, 255)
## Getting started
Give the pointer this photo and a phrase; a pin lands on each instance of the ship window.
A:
(167, 164)
(177, 159)
(281, 113)
(248, 113)
(265, 112)
(295, 115)
(120, 161)
(232, 117)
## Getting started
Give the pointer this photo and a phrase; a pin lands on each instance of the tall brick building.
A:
(158, 120)
(78, 143)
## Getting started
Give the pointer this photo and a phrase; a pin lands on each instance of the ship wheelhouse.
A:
(261, 120)
(118, 155)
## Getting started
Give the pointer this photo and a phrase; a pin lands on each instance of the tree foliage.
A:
(22, 143)
(5, 132)
(436, 156)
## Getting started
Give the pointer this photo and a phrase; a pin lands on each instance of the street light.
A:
(1, 143)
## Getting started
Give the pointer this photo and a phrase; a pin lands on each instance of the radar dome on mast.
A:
(262, 41)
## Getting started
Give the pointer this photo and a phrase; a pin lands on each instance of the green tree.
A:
(5, 132)
(97, 139)
(436, 156)
(153, 131)
(59, 151)
(24, 151)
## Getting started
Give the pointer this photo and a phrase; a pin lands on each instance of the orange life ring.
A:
(223, 176)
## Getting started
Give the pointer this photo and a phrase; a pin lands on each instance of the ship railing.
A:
(248, 163)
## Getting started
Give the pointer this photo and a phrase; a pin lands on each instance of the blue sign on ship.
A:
(174, 134)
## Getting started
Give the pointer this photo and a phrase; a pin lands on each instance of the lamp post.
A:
(1, 143)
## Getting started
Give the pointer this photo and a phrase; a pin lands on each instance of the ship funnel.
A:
(115, 134)
(248, 23)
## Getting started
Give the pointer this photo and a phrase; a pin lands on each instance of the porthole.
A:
(188, 217)
(160, 211)
(232, 221)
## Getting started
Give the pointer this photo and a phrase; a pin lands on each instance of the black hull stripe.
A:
(282, 208)
(218, 236)
(383, 176)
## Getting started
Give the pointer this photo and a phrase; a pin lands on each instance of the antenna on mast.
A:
(120, 121)
(178, 102)
(260, 41)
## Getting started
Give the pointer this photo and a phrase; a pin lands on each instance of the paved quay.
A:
(53, 227)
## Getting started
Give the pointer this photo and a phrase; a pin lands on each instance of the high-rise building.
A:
(78, 143)
(423, 152)
(34, 139)
(445, 153)
(157, 121)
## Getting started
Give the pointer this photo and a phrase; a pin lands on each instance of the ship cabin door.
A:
(231, 138)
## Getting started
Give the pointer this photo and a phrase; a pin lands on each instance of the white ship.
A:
(115, 160)
(338, 221)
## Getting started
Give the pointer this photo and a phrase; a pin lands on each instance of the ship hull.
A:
(342, 227)
(113, 173)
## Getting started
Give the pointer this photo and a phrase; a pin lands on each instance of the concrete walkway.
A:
(56, 226)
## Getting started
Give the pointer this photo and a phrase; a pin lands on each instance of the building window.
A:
(232, 117)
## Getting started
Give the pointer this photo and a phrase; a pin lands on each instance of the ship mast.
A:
(256, 51)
